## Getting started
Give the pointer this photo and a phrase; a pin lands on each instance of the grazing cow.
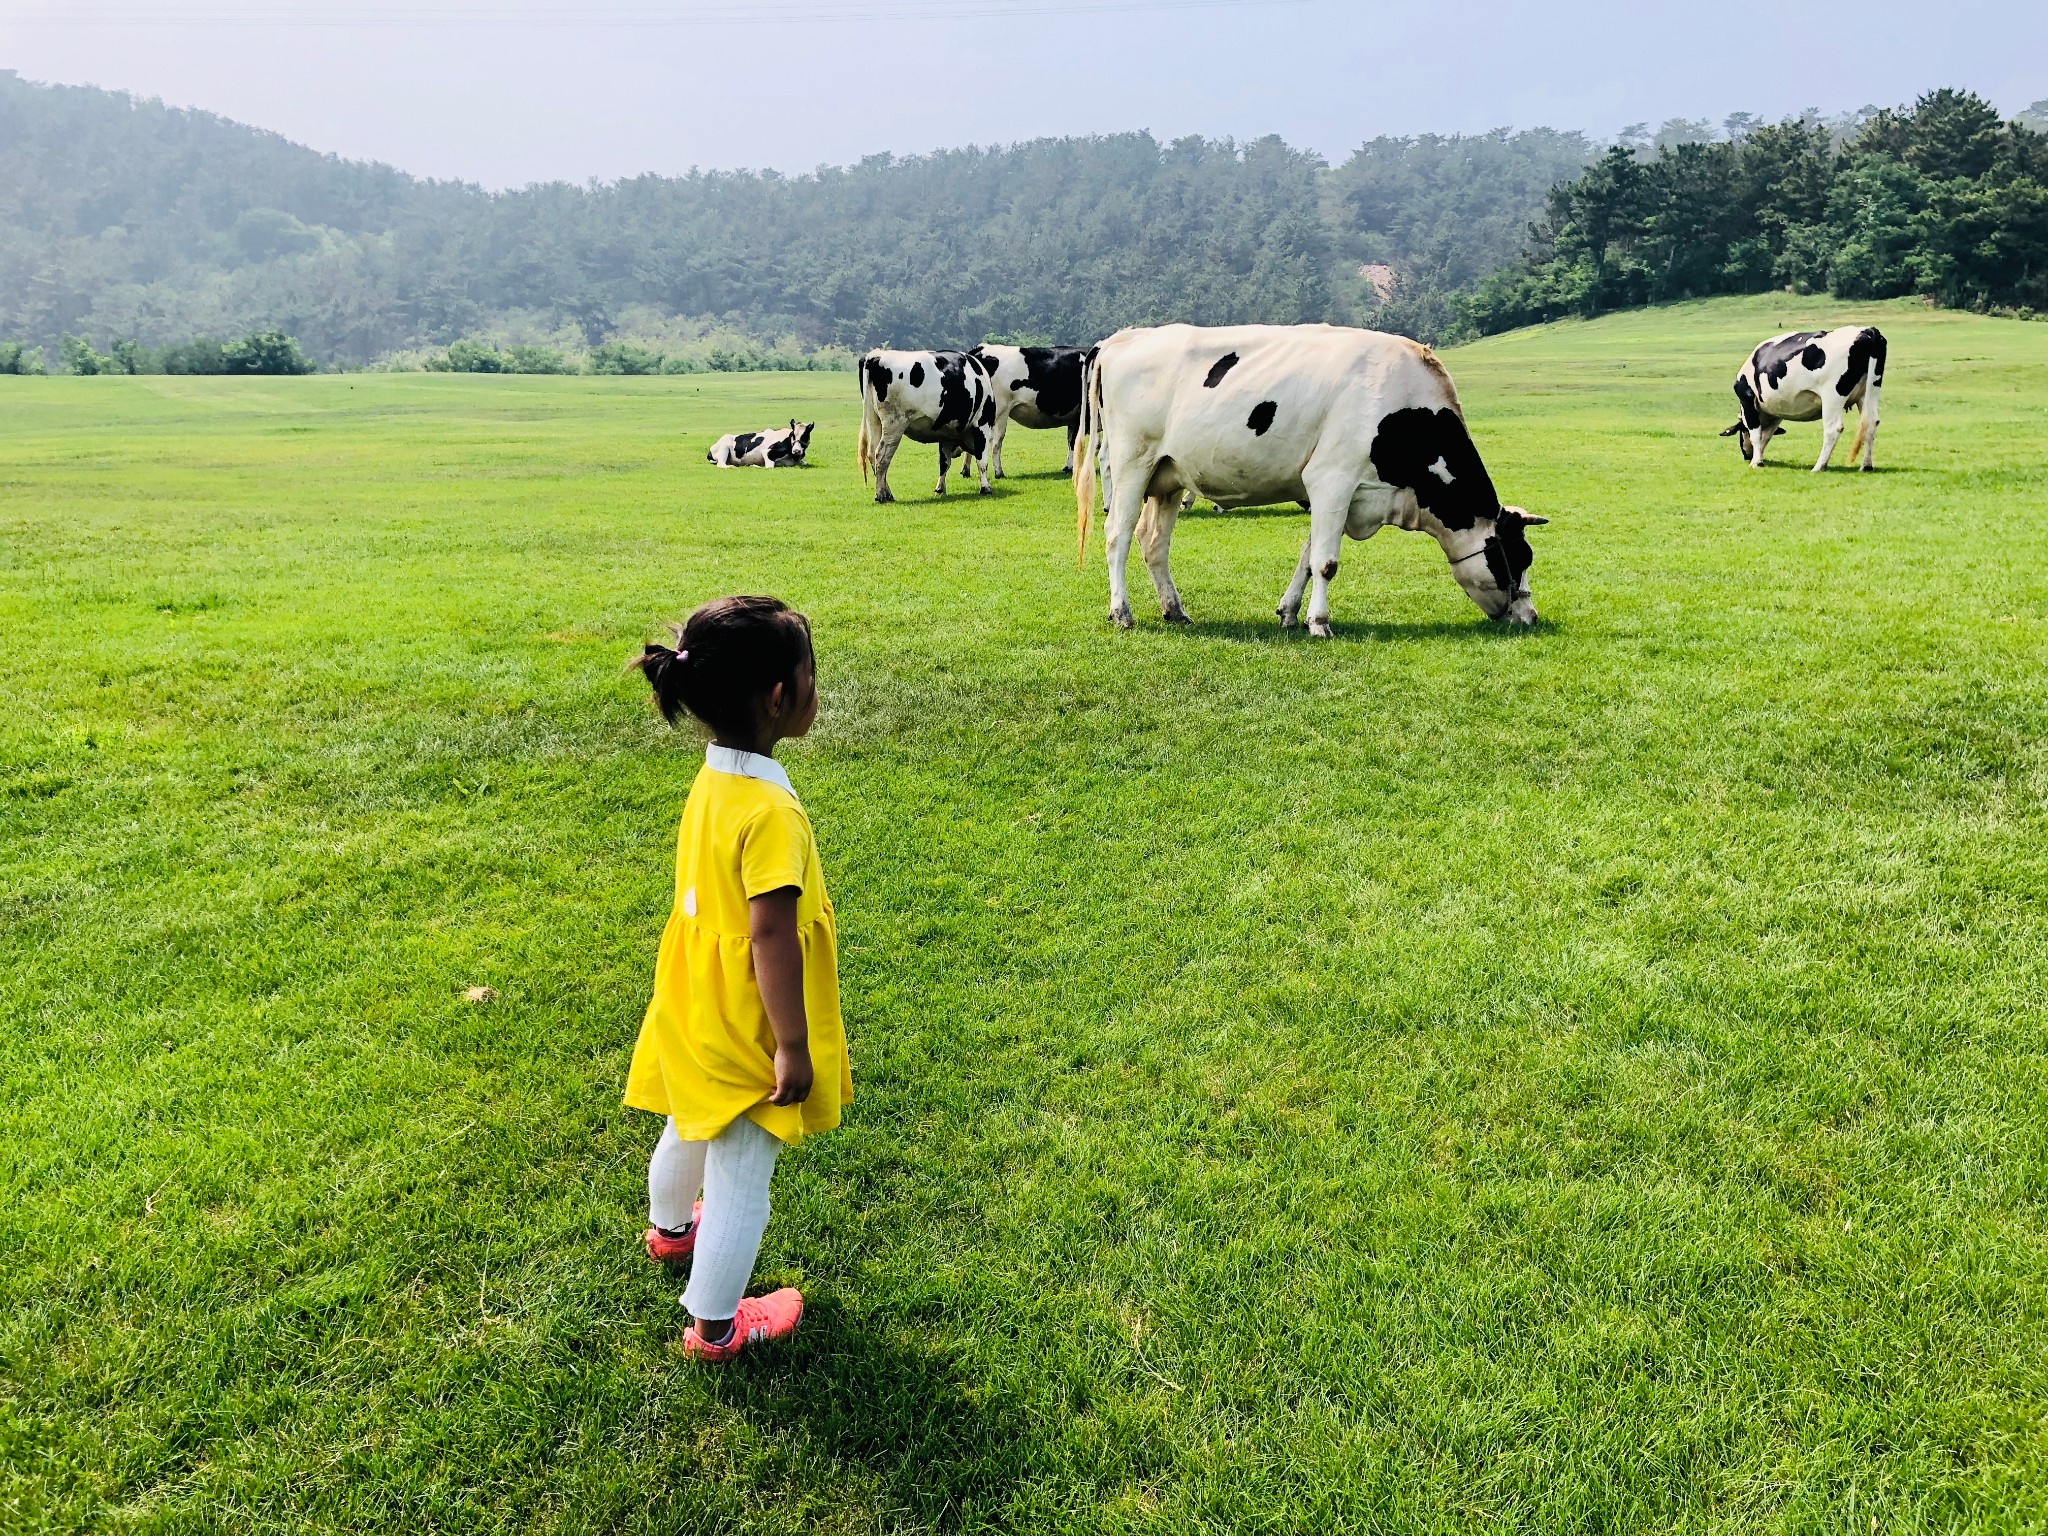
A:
(928, 397)
(1363, 429)
(1809, 374)
(1038, 387)
(779, 446)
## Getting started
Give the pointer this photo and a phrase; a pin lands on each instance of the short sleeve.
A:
(775, 851)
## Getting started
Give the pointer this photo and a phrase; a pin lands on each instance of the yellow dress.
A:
(706, 1053)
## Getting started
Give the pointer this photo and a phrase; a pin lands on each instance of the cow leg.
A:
(1155, 538)
(1761, 436)
(1122, 506)
(1866, 426)
(1290, 600)
(1328, 510)
(981, 460)
(945, 463)
(885, 451)
(1073, 436)
(1831, 414)
(996, 435)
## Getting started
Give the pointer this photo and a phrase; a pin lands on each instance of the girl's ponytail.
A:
(664, 669)
(728, 654)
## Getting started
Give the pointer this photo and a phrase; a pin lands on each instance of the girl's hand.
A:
(792, 1075)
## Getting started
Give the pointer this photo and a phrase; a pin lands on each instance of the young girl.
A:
(742, 1046)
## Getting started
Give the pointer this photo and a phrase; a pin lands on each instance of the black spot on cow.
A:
(917, 375)
(1410, 441)
(1262, 416)
(1813, 359)
(1511, 538)
(1866, 352)
(879, 377)
(1055, 374)
(1217, 369)
(956, 402)
(745, 444)
(988, 411)
(1774, 359)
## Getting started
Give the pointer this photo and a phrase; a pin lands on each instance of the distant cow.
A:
(1809, 374)
(1364, 429)
(1038, 387)
(928, 397)
(777, 448)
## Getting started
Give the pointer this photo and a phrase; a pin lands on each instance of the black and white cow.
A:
(1037, 387)
(1364, 429)
(928, 397)
(778, 447)
(1806, 375)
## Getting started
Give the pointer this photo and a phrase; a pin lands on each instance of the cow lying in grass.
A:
(1363, 429)
(1809, 375)
(777, 448)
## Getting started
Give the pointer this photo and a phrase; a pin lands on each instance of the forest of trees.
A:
(1943, 199)
(124, 219)
(125, 224)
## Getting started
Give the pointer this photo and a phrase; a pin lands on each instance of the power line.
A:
(657, 14)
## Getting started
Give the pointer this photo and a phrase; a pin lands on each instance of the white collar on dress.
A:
(748, 765)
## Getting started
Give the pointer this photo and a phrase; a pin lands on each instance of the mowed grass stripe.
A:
(1433, 1078)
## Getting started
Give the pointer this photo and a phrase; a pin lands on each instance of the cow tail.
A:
(1084, 458)
(866, 413)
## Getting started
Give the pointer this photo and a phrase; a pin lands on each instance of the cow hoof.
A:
(1175, 615)
(1320, 628)
(1120, 617)
(883, 498)
(1866, 468)
(1287, 620)
(988, 490)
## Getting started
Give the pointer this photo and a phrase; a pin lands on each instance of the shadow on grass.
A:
(1473, 631)
(1832, 469)
(946, 1451)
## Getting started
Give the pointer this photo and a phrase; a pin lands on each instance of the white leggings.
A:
(733, 1170)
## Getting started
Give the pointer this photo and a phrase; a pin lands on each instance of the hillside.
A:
(125, 218)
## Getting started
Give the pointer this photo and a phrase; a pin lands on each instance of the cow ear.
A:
(1731, 431)
(1526, 519)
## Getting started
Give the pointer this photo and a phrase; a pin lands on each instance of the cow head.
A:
(1495, 572)
(1740, 433)
(791, 447)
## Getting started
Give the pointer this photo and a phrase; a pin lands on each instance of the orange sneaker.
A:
(664, 1249)
(759, 1320)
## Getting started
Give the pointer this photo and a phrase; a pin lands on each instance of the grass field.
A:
(1433, 1080)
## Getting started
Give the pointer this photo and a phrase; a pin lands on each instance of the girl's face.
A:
(796, 712)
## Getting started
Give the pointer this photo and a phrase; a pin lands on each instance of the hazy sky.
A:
(505, 92)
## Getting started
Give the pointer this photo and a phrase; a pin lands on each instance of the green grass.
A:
(1434, 1080)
